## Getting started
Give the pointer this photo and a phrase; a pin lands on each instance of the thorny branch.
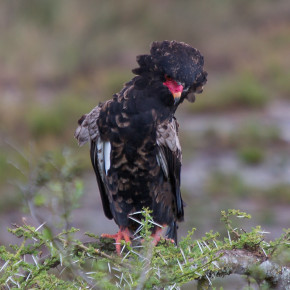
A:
(243, 262)
(247, 261)
(237, 261)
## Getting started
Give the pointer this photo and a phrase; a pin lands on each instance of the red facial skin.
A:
(174, 87)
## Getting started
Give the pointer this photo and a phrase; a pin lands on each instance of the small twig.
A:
(96, 251)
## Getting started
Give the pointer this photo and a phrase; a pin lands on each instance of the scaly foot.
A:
(122, 234)
(157, 237)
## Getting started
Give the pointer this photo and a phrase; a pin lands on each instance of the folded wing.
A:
(169, 157)
(99, 152)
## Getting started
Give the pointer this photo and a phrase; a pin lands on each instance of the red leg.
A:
(157, 236)
(122, 234)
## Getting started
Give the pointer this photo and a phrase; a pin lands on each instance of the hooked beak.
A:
(176, 97)
(175, 88)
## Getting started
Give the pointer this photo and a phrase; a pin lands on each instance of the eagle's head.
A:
(178, 66)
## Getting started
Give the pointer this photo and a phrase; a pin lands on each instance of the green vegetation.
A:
(249, 133)
(86, 265)
(243, 91)
(55, 120)
(230, 186)
(252, 155)
(277, 76)
(224, 185)
(254, 133)
(3, 168)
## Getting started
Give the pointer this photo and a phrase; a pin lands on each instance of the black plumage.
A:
(135, 149)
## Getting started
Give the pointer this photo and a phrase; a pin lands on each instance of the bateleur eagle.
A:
(135, 150)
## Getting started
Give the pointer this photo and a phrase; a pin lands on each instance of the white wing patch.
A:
(107, 156)
(100, 153)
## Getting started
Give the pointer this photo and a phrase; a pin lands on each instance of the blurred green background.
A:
(59, 59)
